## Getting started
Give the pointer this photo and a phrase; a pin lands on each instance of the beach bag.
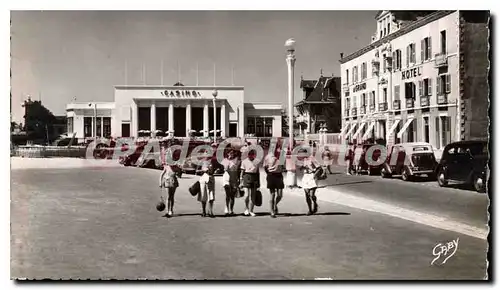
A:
(160, 206)
(320, 174)
(257, 200)
(195, 188)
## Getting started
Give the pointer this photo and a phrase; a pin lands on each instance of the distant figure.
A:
(327, 157)
(349, 157)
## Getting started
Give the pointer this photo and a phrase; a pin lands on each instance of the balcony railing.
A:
(346, 113)
(354, 111)
(424, 101)
(410, 103)
(442, 99)
(396, 105)
(372, 107)
(440, 60)
(382, 106)
(362, 110)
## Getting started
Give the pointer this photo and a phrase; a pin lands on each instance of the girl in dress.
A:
(250, 181)
(309, 167)
(207, 192)
(231, 180)
(168, 181)
(274, 179)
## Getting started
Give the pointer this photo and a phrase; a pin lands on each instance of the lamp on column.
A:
(214, 94)
(290, 61)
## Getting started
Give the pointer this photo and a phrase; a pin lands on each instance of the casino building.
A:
(424, 77)
(178, 110)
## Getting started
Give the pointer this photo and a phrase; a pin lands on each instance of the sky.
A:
(63, 56)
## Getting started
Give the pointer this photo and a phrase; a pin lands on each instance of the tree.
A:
(38, 120)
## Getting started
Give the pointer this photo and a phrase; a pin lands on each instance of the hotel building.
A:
(424, 77)
(177, 110)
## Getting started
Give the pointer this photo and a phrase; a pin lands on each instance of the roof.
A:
(317, 95)
(308, 84)
(410, 27)
(468, 142)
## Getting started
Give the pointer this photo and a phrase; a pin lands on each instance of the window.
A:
(354, 101)
(384, 100)
(425, 49)
(98, 127)
(445, 130)
(372, 98)
(355, 74)
(396, 59)
(363, 100)
(410, 54)
(411, 132)
(347, 76)
(268, 127)
(363, 71)
(438, 146)
(70, 125)
(384, 65)
(347, 103)
(385, 31)
(443, 42)
(106, 127)
(381, 33)
(396, 92)
(425, 87)
(250, 125)
(87, 126)
(410, 90)
(125, 130)
(443, 84)
(426, 130)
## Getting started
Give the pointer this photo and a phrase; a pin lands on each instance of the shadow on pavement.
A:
(319, 213)
(344, 183)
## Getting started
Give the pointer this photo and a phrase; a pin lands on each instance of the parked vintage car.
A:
(410, 160)
(464, 162)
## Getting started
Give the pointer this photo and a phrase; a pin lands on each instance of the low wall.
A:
(49, 151)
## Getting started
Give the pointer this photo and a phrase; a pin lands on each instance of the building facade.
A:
(320, 105)
(176, 110)
(408, 84)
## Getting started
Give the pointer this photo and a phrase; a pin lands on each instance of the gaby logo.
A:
(444, 251)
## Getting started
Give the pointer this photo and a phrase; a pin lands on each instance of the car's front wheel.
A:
(479, 184)
(441, 178)
(384, 173)
(406, 175)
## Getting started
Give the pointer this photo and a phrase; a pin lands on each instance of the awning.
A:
(405, 126)
(342, 132)
(353, 125)
(369, 130)
(393, 127)
(359, 130)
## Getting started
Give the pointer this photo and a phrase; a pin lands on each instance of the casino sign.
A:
(180, 94)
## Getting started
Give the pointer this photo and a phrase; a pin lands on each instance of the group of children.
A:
(241, 178)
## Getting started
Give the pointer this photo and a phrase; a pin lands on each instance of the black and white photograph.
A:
(250, 144)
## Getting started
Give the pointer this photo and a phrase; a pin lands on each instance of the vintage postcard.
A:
(250, 145)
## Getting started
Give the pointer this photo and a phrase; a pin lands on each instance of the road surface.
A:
(92, 222)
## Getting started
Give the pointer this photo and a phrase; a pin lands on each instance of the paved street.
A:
(101, 222)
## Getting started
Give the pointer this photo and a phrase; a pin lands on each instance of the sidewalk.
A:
(332, 195)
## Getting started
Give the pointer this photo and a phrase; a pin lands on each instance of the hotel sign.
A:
(359, 87)
(180, 94)
(411, 73)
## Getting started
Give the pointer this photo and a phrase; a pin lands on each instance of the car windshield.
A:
(423, 159)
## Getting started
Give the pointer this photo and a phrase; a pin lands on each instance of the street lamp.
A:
(290, 60)
(214, 94)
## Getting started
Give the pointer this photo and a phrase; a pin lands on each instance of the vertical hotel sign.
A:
(180, 94)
